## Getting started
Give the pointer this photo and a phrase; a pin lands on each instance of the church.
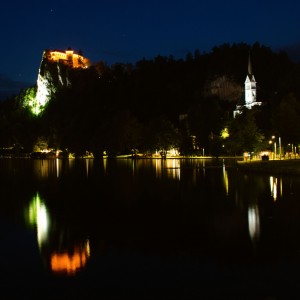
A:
(250, 92)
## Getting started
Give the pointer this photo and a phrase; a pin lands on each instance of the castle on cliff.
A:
(51, 79)
(69, 58)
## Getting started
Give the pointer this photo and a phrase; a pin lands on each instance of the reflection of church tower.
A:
(250, 92)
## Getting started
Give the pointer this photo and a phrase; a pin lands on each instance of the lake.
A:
(122, 227)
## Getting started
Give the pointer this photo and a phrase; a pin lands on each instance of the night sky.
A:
(129, 30)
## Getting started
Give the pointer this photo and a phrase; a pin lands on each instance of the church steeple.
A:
(250, 86)
(249, 65)
(250, 91)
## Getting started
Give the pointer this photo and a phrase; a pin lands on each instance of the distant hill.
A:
(9, 87)
(155, 103)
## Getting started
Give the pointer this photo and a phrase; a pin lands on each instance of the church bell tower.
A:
(250, 87)
(250, 92)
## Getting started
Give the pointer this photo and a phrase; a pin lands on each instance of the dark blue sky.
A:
(129, 30)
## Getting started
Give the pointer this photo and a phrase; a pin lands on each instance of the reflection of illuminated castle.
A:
(65, 255)
(68, 58)
(70, 261)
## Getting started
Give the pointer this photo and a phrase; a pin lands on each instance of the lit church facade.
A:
(250, 92)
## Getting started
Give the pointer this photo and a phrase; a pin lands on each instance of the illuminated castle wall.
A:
(68, 57)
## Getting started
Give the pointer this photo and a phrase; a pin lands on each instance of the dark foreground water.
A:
(177, 228)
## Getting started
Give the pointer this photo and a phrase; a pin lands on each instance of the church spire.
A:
(249, 65)
(250, 91)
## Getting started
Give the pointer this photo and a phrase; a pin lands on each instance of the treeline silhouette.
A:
(163, 102)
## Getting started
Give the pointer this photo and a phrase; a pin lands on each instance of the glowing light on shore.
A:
(225, 133)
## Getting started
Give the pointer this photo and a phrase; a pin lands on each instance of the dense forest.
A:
(162, 103)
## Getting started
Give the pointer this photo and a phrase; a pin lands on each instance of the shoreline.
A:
(278, 167)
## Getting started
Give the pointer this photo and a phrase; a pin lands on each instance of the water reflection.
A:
(168, 167)
(254, 223)
(71, 260)
(276, 187)
(174, 168)
(88, 165)
(38, 216)
(50, 168)
(225, 176)
(139, 218)
(63, 253)
(58, 167)
(105, 165)
(44, 168)
(273, 186)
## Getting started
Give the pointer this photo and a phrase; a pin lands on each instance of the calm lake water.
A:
(175, 227)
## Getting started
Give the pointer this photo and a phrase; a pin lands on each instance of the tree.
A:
(123, 133)
(205, 117)
(244, 134)
(286, 118)
(161, 135)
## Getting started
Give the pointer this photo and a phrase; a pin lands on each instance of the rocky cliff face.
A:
(52, 76)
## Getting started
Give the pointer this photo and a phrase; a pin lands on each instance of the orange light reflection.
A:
(69, 263)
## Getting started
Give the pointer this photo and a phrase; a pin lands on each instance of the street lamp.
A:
(271, 142)
(291, 153)
(279, 144)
